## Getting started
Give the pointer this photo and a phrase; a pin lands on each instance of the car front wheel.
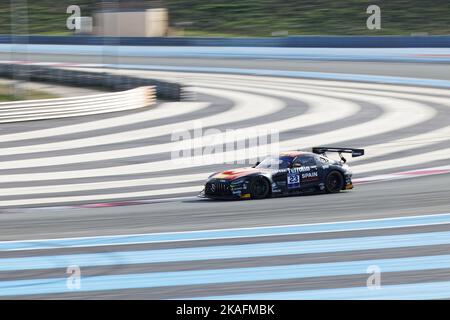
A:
(259, 188)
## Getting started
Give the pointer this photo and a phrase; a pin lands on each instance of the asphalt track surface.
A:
(402, 128)
(415, 196)
(399, 69)
(130, 156)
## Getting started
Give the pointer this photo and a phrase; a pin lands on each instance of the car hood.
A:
(235, 173)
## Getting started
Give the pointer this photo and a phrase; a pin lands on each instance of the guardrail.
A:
(77, 106)
(288, 42)
(164, 89)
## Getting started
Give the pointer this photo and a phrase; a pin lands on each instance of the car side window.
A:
(324, 160)
(304, 161)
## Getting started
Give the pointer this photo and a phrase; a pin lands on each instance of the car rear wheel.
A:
(334, 182)
(259, 188)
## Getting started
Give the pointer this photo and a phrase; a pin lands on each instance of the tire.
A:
(259, 188)
(334, 182)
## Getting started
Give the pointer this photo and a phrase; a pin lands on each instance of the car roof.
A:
(294, 154)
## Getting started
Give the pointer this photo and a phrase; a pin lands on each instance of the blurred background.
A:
(231, 18)
(91, 166)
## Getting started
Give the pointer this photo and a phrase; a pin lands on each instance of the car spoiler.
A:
(354, 152)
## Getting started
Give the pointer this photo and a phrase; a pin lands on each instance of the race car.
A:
(289, 173)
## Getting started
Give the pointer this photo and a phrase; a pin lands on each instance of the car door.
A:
(279, 177)
(323, 164)
(307, 170)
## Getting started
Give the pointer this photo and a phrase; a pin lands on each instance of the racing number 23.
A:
(293, 180)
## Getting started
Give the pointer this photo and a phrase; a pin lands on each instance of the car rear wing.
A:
(324, 150)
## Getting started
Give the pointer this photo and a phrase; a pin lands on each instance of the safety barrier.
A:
(289, 42)
(77, 106)
(66, 76)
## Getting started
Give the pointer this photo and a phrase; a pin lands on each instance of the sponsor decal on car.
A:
(293, 180)
(310, 175)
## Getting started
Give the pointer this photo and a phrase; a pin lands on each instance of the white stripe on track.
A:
(403, 144)
(242, 110)
(429, 138)
(398, 114)
(314, 114)
(162, 111)
(104, 185)
(422, 140)
(98, 197)
(319, 112)
(437, 155)
(393, 119)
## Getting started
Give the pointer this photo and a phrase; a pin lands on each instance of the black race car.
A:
(293, 172)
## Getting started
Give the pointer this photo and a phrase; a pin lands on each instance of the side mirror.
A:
(256, 164)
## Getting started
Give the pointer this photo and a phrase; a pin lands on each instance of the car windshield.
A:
(275, 163)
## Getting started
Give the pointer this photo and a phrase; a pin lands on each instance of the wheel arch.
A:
(340, 172)
(265, 177)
